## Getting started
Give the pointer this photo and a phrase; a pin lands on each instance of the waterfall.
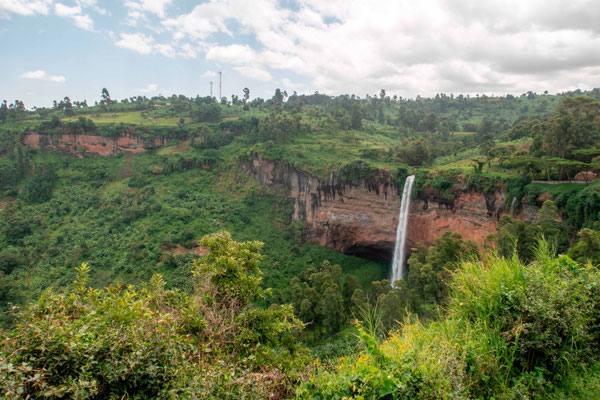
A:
(512, 206)
(398, 262)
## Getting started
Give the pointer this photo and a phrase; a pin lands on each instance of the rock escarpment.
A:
(79, 144)
(360, 217)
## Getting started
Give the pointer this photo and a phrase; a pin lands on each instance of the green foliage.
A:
(131, 217)
(279, 127)
(317, 297)
(39, 188)
(587, 247)
(207, 112)
(357, 170)
(515, 236)
(122, 342)
(417, 153)
(232, 267)
(511, 330)
(430, 271)
(548, 221)
(575, 126)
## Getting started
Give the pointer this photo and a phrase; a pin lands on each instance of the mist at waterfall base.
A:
(399, 246)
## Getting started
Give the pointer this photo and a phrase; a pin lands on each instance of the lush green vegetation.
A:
(129, 218)
(510, 330)
(151, 342)
(238, 323)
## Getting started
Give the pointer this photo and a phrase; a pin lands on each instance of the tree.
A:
(210, 112)
(486, 128)
(381, 115)
(232, 267)
(417, 153)
(548, 217)
(279, 127)
(356, 116)
(393, 308)
(430, 270)
(331, 310)
(429, 123)
(278, 96)
(516, 237)
(3, 111)
(39, 189)
(351, 284)
(342, 118)
(68, 106)
(587, 247)
(576, 125)
(317, 298)
(105, 97)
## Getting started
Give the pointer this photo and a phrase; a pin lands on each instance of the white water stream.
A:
(512, 206)
(398, 262)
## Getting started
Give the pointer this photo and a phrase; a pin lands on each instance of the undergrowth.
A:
(510, 331)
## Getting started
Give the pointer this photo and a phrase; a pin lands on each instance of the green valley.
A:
(175, 247)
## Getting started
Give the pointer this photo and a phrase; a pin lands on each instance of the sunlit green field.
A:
(133, 117)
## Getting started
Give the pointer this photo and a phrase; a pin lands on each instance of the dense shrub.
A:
(511, 331)
(208, 112)
(123, 342)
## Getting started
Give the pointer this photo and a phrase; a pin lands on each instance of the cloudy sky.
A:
(54, 48)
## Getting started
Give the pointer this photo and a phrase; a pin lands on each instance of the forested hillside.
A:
(178, 253)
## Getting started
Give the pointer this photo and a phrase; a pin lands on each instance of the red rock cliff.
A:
(94, 144)
(360, 218)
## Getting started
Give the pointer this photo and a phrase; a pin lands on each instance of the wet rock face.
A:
(81, 143)
(361, 217)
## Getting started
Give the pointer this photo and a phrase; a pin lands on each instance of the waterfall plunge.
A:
(512, 206)
(398, 262)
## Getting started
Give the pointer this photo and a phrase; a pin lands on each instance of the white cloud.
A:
(74, 13)
(202, 21)
(137, 9)
(145, 44)
(155, 6)
(151, 88)
(137, 42)
(165, 50)
(336, 46)
(93, 5)
(288, 84)
(83, 22)
(188, 51)
(409, 48)
(233, 54)
(254, 73)
(208, 74)
(65, 11)
(42, 75)
(26, 7)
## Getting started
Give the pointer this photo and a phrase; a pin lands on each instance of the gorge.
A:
(356, 217)
(360, 217)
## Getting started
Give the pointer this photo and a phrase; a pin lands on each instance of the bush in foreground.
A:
(510, 331)
(123, 342)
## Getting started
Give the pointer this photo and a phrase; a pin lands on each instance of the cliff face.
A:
(360, 218)
(94, 144)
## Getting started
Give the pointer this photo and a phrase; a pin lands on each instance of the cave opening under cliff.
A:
(381, 252)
